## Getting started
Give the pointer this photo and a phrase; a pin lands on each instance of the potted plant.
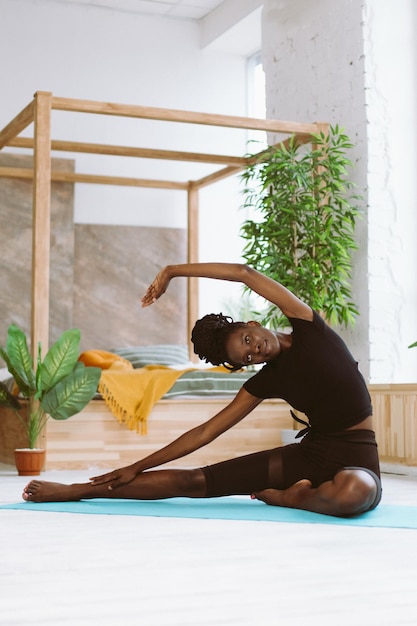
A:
(303, 235)
(60, 387)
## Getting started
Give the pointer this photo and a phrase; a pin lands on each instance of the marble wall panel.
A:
(113, 267)
(16, 248)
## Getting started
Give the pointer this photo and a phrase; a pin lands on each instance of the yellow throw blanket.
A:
(131, 393)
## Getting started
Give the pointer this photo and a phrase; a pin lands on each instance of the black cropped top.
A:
(318, 376)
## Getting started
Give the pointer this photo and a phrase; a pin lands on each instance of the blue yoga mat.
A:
(226, 508)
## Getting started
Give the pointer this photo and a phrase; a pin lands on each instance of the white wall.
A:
(391, 88)
(353, 62)
(91, 53)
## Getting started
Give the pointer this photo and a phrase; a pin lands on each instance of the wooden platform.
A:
(95, 438)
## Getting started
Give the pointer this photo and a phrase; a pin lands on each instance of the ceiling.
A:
(179, 9)
(232, 26)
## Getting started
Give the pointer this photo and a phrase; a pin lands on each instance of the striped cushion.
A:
(164, 354)
(209, 384)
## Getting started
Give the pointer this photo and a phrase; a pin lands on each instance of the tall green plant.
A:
(303, 236)
(61, 386)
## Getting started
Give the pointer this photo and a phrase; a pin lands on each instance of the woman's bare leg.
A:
(351, 492)
(151, 485)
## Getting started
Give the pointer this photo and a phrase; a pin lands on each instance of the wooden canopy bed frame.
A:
(39, 112)
(94, 438)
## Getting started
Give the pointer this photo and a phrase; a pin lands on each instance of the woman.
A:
(333, 470)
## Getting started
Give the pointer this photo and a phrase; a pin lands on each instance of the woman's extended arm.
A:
(190, 441)
(266, 287)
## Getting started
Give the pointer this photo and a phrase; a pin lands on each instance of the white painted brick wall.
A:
(353, 62)
(390, 82)
(314, 66)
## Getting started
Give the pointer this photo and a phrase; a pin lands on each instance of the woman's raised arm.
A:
(266, 287)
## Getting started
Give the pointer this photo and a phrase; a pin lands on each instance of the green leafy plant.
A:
(303, 235)
(60, 387)
(413, 345)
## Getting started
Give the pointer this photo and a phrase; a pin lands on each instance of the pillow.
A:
(163, 354)
(207, 383)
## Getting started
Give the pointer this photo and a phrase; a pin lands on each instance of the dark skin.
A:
(253, 344)
(349, 493)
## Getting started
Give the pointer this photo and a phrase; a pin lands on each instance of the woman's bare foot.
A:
(41, 491)
(351, 492)
(290, 498)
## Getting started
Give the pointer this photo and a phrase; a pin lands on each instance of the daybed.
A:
(194, 395)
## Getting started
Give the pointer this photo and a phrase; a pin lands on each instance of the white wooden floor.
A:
(78, 570)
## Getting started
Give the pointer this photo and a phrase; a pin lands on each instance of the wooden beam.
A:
(16, 172)
(19, 123)
(95, 179)
(250, 160)
(192, 257)
(41, 222)
(212, 178)
(186, 117)
(236, 164)
(128, 151)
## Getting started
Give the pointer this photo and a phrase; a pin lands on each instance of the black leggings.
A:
(318, 457)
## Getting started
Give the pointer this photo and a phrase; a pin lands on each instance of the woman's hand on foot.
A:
(115, 479)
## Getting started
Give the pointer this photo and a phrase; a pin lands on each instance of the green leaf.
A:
(60, 360)
(72, 393)
(19, 361)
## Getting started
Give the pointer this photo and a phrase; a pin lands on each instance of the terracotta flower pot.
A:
(29, 462)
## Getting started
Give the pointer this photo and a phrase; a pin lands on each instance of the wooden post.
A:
(192, 257)
(41, 210)
(324, 128)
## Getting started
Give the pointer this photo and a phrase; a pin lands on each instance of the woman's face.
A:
(252, 344)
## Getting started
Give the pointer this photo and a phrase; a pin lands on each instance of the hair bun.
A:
(209, 338)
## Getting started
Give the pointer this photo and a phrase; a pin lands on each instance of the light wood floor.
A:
(81, 570)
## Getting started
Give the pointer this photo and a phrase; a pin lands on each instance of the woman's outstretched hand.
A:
(116, 478)
(156, 288)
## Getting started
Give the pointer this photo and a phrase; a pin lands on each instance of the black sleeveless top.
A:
(318, 376)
